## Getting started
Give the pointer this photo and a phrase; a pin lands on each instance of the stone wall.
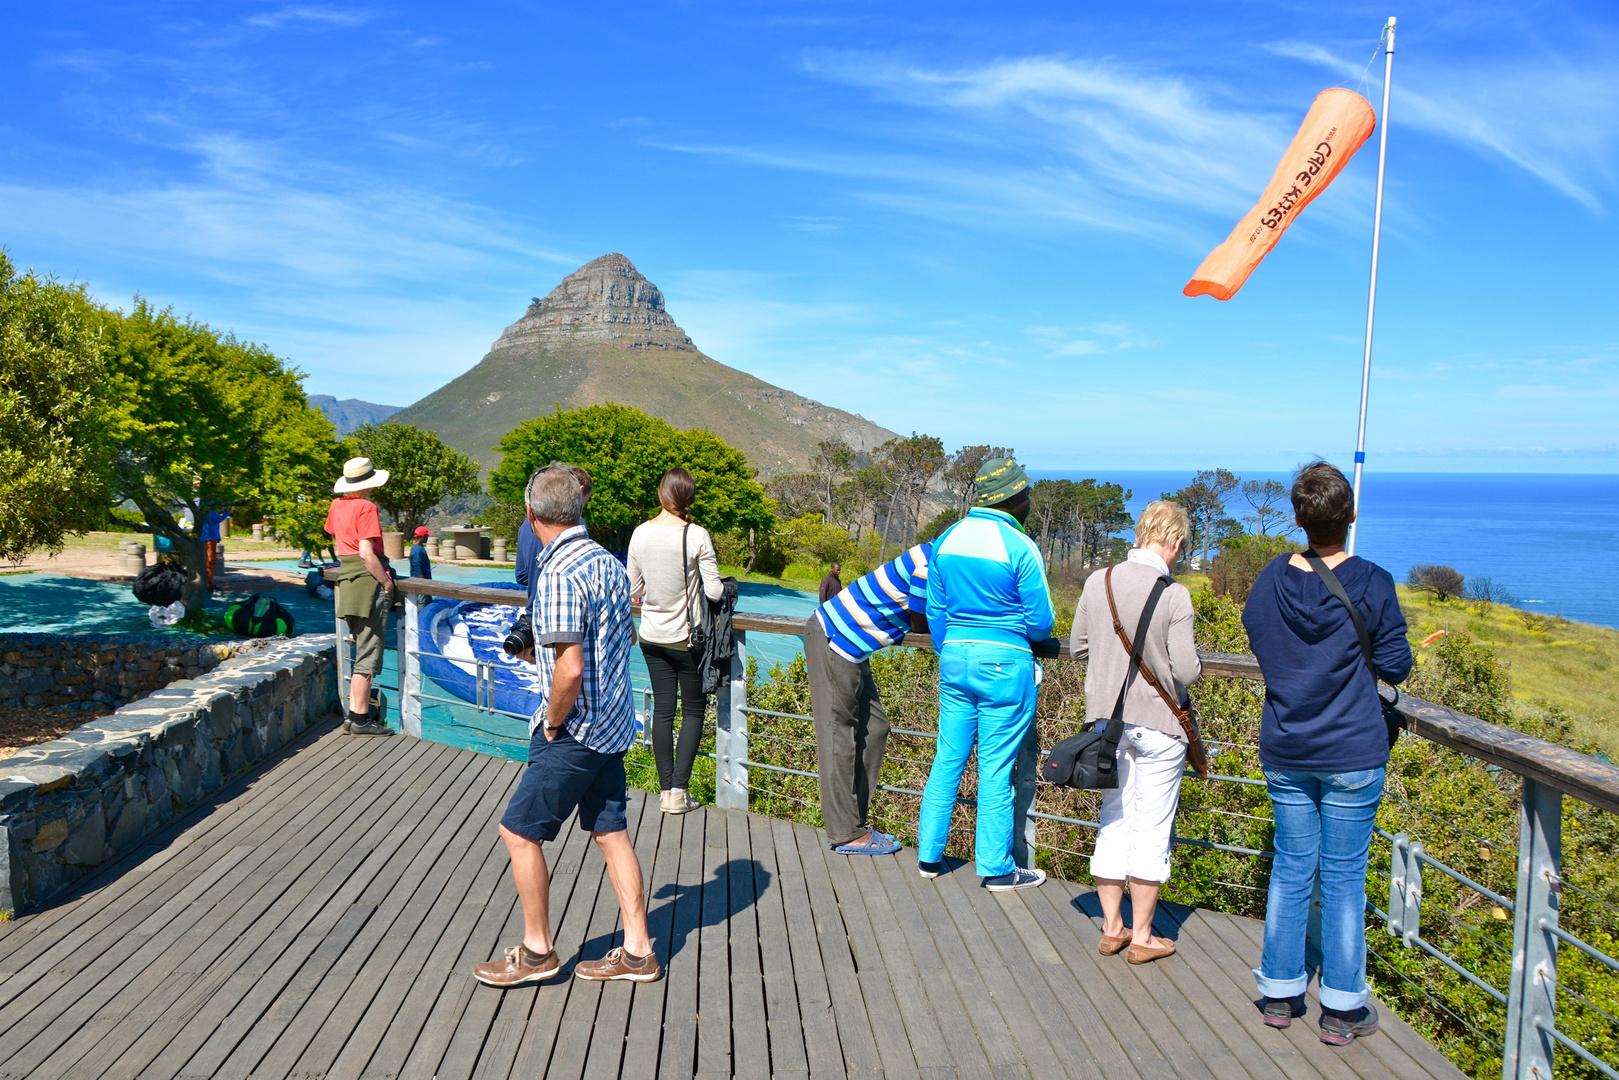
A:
(106, 669)
(69, 805)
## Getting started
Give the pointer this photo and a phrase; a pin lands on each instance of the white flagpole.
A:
(1371, 300)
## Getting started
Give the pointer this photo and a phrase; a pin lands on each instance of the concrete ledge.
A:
(69, 805)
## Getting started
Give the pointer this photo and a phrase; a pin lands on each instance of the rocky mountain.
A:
(350, 413)
(604, 335)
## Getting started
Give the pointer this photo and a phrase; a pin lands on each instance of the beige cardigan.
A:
(1169, 652)
(668, 594)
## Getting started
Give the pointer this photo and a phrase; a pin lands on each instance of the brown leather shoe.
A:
(1146, 954)
(617, 964)
(1111, 946)
(522, 965)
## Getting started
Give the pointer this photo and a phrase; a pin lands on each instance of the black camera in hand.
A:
(520, 638)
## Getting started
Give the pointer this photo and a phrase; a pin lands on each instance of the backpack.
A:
(259, 616)
(160, 585)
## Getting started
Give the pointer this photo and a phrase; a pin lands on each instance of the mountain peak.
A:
(606, 300)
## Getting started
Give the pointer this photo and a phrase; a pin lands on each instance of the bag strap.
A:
(1115, 723)
(1335, 587)
(685, 581)
(1135, 656)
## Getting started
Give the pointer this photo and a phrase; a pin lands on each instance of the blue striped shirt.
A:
(875, 611)
(582, 595)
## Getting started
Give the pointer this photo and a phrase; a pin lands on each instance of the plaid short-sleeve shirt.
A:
(582, 595)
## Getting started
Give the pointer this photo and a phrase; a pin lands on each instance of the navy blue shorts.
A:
(563, 775)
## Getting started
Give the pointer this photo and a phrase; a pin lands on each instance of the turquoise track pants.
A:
(986, 694)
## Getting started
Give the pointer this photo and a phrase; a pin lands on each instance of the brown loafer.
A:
(618, 964)
(1146, 954)
(522, 965)
(1112, 946)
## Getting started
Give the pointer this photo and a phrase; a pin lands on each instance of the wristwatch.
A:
(559, 727)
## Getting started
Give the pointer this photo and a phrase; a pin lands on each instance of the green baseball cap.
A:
(998, 480)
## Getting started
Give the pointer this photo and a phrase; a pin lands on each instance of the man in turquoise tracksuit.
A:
(987, 602)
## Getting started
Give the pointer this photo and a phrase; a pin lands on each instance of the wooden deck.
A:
(321, 919)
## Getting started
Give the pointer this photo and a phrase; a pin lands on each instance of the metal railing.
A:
(1549, 772)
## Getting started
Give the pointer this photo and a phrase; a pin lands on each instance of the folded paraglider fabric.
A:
(1337, 125)
(160, 585)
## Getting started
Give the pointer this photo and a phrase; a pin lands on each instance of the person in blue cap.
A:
(987, 604)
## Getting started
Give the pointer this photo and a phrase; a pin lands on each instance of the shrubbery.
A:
(1241, 559)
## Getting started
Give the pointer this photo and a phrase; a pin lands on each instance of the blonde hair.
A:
(1163, 522)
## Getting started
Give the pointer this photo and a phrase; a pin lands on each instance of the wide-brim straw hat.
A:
(359, 474)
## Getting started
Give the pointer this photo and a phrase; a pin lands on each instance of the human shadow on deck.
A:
(730, 891)
(1166, 922)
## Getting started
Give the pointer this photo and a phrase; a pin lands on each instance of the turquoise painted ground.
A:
(52, 603)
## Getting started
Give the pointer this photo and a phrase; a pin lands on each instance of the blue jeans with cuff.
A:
(987, 694)
(1323, 822)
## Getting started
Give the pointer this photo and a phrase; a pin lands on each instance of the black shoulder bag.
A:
(1391, 711)
(1089, 760)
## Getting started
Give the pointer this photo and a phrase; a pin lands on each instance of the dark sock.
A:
(532, 958)
(633, 960)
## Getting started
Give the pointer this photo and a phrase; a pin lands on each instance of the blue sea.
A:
(1544, 537)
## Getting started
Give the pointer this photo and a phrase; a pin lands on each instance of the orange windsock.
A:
(1334, 128)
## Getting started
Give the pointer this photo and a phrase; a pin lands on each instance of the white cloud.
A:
(1555, 117)
(308, 15)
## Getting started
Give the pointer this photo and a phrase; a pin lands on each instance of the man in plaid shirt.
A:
(577, 740)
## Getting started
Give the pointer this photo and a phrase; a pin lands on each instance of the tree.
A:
(1443, 582)
(627, 452)
(1204, 502)
(1263, 495)
(202, 421)
(907, 466)
(796, 494)
(961, 474)
(833, 461)
(53, 392)
(812, 539)
(1240, 561)
(422, 470)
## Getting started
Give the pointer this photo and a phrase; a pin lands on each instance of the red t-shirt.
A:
(349, 520)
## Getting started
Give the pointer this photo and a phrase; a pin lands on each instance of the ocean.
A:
(1543, 537)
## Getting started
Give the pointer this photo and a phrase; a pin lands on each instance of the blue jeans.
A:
(1323, 822)
(986, 694)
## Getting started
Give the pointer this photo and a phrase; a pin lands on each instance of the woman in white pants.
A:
(1132, 847)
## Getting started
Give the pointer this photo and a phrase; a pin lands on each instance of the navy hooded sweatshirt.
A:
(1321, 711)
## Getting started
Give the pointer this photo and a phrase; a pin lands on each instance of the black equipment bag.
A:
(259, 616)
(161, 584)
(1089, 760)
(1391, 707)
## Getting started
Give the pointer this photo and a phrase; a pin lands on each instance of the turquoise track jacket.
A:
(987, 582)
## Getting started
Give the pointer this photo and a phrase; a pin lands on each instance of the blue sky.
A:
(972, 221)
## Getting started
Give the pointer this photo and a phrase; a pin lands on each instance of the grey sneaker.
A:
(1343, 1028)
(1017, 879)
(1279, 1012)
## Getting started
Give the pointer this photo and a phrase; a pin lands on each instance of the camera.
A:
(520, 638)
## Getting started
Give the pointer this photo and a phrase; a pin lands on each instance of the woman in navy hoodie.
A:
(1324, 747)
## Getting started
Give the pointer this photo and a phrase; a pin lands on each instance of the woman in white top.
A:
(672, 566)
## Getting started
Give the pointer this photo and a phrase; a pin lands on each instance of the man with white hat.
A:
(362, 580)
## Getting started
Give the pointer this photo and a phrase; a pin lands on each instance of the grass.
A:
(1553, 661)
(791, 578)
(97, 543)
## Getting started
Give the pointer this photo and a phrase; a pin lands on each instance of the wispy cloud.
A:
(309, 15)
(1555, 117)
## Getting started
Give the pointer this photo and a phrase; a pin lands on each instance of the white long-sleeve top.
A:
(667, 591)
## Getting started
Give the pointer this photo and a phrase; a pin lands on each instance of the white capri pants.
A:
(1139, 814)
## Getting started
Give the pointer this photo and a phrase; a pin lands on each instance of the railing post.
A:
(1532, 994)
(731, 733)
(410, 667)
(1397, 885)
(1411, 922)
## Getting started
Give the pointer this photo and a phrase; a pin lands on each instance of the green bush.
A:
(1241, 559)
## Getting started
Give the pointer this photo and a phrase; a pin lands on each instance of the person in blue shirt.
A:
(210, 538)
(851, 726)
(529, 547)
(1325, 747)
(420, 565)
(987, 604)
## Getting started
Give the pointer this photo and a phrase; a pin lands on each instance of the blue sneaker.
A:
(1017, 879)
(930, 869)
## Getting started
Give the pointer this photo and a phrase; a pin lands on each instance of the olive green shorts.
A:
(370, 635)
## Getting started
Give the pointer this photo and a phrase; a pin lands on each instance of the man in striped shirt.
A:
(581, 615)
(851, 726)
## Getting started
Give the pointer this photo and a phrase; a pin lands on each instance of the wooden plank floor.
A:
(320, 919)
